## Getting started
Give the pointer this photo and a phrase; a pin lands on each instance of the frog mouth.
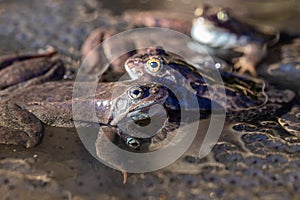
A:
(148, 109)
(146, 112)
(144, 123)
(138, 115)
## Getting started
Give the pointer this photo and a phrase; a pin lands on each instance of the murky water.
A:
(253, 160)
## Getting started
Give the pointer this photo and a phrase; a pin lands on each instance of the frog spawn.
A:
(291, 121)
(213, 182)
(253, 155)
(264, 137)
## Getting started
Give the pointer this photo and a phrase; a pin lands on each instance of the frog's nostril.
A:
(155, 90)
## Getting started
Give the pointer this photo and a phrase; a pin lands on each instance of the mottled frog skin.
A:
(241, 93)
(245, 98)
(33, 98)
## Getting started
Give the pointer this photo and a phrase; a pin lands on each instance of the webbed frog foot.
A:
(243, 65)
(253, 53)
(19, 127)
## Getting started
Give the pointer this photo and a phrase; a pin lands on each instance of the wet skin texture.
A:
(33, 97)
(244, 97)
(241, 92)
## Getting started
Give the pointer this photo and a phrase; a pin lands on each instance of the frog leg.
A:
(125, 175)
(87, 50)
(253, 54)
(102, 147)
(19, 127)
(93, 54)
(54, 70)
(10, 59)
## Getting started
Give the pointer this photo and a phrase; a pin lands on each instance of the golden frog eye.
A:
(136, 93)
(199, 11)
(223, 15)
(153, 65)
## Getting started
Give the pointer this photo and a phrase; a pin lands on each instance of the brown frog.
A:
(218, 28)
(243, 96)
(32, 98)
(132, 19)
(241, 93)
(215, 29)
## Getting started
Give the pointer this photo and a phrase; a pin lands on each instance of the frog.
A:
(243, 94)
(18, 70)
(158, 63)
(91, 55)
(35, 99)
(213, 28)
(130, 19)
(218, 28)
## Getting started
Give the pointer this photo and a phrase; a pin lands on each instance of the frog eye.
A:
(136, 93)
(223, 15)
(153, 65)
(133, 143)
(199, 11)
